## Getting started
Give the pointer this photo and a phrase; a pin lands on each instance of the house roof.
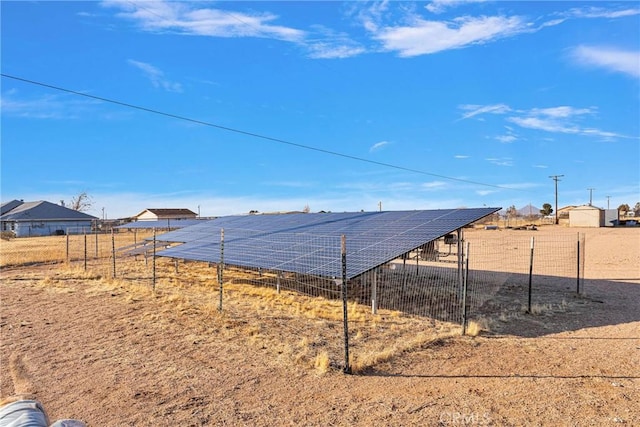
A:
(43, 211)
(8, 206)
(168, 211)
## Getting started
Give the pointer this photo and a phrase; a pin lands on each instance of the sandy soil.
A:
(92, 353)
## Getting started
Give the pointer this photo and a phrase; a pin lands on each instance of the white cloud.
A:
(460, 156)
(612, 59)
(506, 139)
(502, 161)
(54, 107)
(377, 146)
(190, 19)
(156, 76)
(474, 110)
(433, 185)
(600, 12)
(561, 119)
(561, 112)
(424, 37)
(439, 6)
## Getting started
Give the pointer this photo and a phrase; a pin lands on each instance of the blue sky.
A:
(417, 105)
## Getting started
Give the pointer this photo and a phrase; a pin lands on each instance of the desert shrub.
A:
(7, 235)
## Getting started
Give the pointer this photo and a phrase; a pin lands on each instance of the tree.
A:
(636, 209)
(306, 209)
(546, 209)
(82, 202)
(512, 211)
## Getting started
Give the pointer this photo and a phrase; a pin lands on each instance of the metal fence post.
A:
(530, 276)
(374, 291)
(465, 283)
(85, 251)
(154, 261)
(578, 268)
(347, 367)
(221, 267)
(113, 252)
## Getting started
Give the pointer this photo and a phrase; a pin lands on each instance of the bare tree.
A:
(82, 202)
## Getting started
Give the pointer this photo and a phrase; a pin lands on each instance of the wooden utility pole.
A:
(556, 178)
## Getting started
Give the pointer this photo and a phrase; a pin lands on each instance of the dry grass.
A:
(296, 330)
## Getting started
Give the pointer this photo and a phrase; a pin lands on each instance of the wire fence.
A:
(433, 291)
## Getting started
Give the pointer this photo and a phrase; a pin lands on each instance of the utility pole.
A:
(556, 178)
(608, 197)
(590, 196)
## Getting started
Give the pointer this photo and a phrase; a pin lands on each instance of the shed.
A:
(157, 214)
(586, 216)
(43, 218)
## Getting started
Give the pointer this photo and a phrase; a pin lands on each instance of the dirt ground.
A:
(90, 352)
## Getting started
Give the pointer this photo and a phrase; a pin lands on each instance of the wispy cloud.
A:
(439, 6)
(156, 76)
(378, 145)
(422, 37)
(326, 43)
(475, 110)
(609, 58)
(506, 139)
(601, 12)
(561, 119)
(460, 156)
(190, 19)
(433, 185)
(501, 161)
(54, 107)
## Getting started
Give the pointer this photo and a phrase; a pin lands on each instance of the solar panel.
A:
(161, 223)
(311, 243)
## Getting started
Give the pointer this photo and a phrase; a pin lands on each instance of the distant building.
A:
(42, 218)
(165, 214)
(586, 216)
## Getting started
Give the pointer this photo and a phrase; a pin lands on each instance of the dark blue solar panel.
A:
(162, 223)
(310, 243)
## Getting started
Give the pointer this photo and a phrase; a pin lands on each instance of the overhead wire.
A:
(251, 134)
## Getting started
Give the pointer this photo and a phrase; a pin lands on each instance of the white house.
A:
(168, 214)
(42, 218)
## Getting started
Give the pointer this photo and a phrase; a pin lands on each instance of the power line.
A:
(251, 134)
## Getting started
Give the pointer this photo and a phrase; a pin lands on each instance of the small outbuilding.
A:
(42, 218)
(165, 214)
(586, 216)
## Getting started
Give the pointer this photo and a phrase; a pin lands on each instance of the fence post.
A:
(465, 282)
(113, 252)
(279, 275)
(221, 267)
(97, 256)
(578, 268)
(347, 367)
(67, 250)
(530, 276)
(85, 251)
(153, 268)
(374, 291)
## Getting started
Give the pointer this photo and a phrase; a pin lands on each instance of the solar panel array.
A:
(160, 223)
(311, 243)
